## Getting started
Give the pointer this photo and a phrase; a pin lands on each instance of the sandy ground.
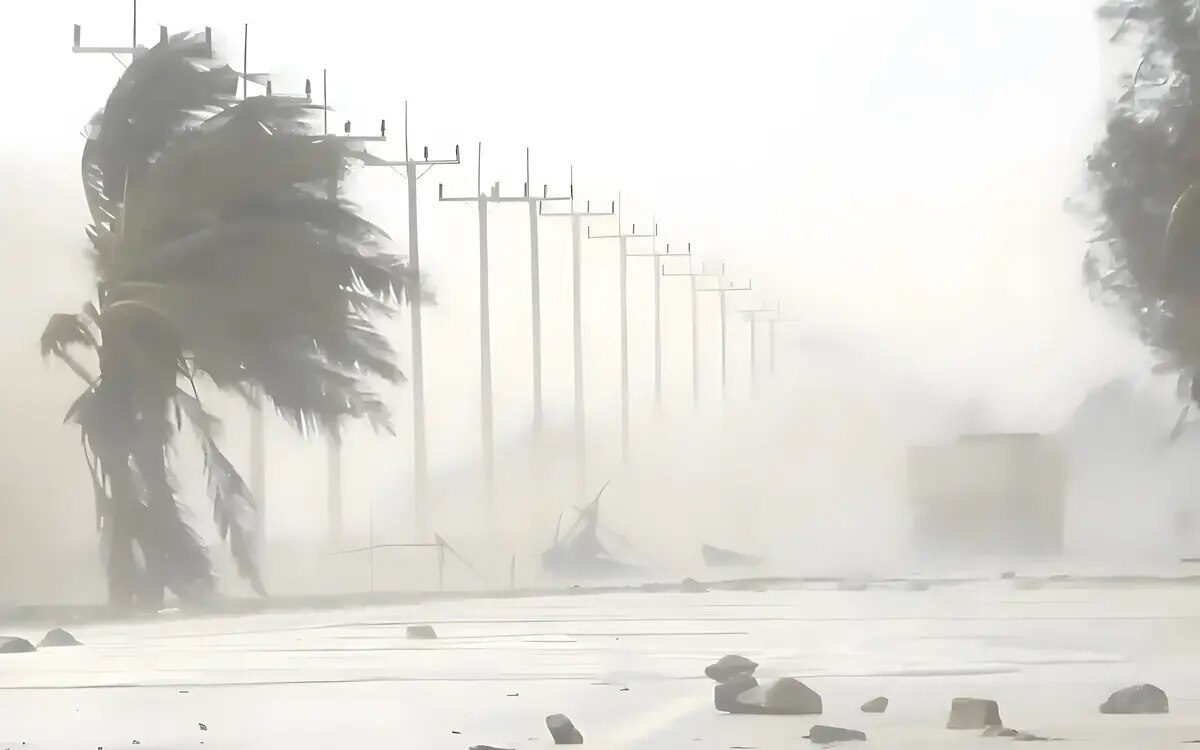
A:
(1048, 652)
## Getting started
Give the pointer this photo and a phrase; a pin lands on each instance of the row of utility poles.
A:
(414, 168)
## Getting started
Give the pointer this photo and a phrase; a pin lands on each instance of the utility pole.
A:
(421, 509)
(334, 509)
(577, 218)
(721, 289)
(751, 316)
(622, 239)
(658, 270)
(485, 327)
(692, 276)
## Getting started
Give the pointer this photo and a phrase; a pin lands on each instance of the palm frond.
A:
(234, 509)
(161, 92)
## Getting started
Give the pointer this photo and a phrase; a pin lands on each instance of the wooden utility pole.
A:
(421, 509)
(622, 239)
(481, 200)
(577, 218)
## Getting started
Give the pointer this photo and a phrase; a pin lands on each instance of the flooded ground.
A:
(626, 667)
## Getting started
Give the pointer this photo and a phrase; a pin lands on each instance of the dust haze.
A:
(898, 185)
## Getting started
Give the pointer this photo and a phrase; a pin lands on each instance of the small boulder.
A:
(422, 632)
(1138, 699)
(563, 731)
(973, 713)
(785, 696)
(9, 645)
(729, 668)
(875, 705)
(725, 695)
(1030, 737)
(58, 637)
(692, 586)
(823, 735)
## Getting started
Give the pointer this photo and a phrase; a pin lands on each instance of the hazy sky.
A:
(893, 171)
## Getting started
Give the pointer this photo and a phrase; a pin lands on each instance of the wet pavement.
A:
(626, 667)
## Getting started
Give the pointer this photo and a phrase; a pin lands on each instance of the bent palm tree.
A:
(219, 257)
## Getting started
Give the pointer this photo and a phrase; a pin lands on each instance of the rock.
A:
(786, 696)
(486, 747)
(1027, 737)
(1138, 699)
(9, 645)
(725, 695)
(823, 735)
(1008, 575)
(875, 705)
(58, 637)
(423, 632)
(973, 713)
(729, 668)
(999, 731)
(692, 586)
(563, 731)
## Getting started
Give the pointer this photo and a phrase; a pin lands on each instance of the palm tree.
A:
(219, 259)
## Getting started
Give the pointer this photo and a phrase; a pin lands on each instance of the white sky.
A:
(894, 171)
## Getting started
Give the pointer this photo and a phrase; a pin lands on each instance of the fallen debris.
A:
(715, 557)
(973, 713)
(421, 632)
(725, 695)
(729, 668)
(12, 645)
(1138, 699)
(692, 586)
(785, 696)
(999, 731)
(823, 735)
(58, 637)
(875, 705)
(563, 731)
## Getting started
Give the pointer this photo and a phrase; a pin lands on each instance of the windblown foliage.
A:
(219, 256)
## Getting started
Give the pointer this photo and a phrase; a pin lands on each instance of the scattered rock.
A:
(725, 695)
(998, 731)
(58, 637)
(423, 632)
(973, 713)
(729, 668)
(823, 735)
(692, 586)
(786, 696)
(1138, 699)
(9, 645)
(875, 705)
(563, 731)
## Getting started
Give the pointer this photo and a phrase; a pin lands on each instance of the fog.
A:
(893, 173)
